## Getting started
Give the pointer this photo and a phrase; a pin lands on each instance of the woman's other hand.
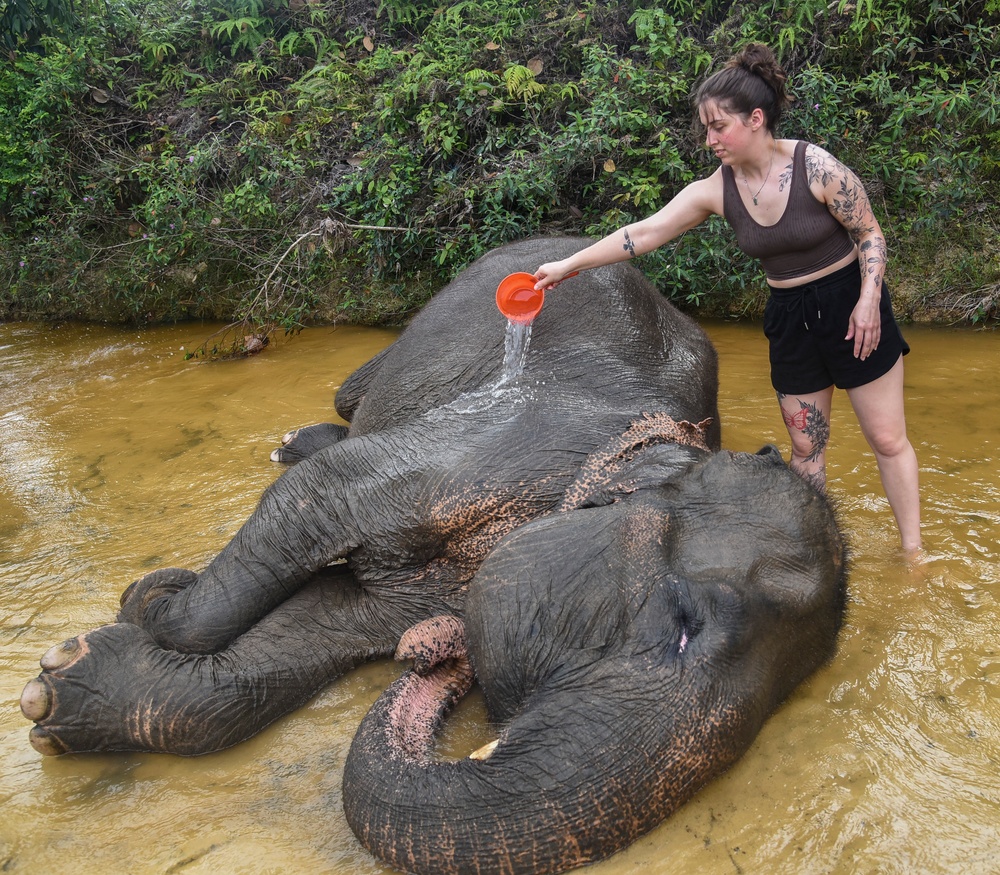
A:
(865, 327)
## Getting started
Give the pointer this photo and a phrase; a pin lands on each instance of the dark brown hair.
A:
(752, 78)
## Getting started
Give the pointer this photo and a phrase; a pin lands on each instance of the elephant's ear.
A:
(653, 467)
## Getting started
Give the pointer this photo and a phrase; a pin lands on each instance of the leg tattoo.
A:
(812, 423)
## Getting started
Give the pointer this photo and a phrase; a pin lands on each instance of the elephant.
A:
(633, 600)
(379, 525)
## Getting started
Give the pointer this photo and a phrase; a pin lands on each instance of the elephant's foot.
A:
(114, 689)
(441, 676)
(303, 442)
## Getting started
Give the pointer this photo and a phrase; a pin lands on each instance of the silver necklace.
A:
(753, 197)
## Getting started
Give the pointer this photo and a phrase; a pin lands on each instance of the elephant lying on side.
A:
(633, 601)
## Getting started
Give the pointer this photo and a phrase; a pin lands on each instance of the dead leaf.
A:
(535, 65)
(609, 165)
(492, 46)
(368, 44)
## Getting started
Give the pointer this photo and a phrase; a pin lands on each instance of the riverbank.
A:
(278, 165)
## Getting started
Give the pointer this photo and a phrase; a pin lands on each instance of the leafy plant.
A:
(173, 158)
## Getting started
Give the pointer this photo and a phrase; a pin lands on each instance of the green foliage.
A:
(25, 22)
(279, 160)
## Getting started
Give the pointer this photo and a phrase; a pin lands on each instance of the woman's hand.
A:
(552, 273)
(865, 327)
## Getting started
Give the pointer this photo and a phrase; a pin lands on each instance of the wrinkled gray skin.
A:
(438, 464)
(629, 652)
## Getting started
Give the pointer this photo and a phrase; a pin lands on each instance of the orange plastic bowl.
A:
(518, 299)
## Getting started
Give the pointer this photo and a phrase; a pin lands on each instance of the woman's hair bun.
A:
(750, 79)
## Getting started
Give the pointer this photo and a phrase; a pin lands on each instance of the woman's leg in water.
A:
(879, 408)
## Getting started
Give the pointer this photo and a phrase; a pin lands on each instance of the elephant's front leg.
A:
(301, 525)
(115, 689)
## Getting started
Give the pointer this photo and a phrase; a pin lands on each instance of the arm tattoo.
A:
(629, 246)
(873, 254)
(852, 209)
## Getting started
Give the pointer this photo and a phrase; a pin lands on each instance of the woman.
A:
(808, 219)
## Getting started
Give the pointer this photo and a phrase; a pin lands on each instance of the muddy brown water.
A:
(117, 457)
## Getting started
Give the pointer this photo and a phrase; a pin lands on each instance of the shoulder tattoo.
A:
(849, 205)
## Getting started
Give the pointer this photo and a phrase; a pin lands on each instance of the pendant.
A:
(755, 201)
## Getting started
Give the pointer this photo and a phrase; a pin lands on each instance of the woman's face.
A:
(726, 133)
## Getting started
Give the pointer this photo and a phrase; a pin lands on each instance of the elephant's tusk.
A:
(485, 751)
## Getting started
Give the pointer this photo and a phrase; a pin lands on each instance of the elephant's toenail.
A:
(46, 744)
(58, 656)
(36, 700)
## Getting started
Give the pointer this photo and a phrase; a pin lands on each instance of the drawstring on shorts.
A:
(803, 298)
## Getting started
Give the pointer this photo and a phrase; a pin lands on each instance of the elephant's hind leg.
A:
(298, 528)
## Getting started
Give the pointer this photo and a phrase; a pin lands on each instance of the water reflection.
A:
(118, 456)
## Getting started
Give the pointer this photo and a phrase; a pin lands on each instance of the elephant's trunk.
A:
(575, 777)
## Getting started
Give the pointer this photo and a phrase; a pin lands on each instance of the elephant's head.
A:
(630, 652)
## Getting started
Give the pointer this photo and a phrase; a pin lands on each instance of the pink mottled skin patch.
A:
(431, 642)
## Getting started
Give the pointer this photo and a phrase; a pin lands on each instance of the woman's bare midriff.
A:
(811, 277)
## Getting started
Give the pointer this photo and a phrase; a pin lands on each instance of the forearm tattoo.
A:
(629, 246)
(873, 254)
(852, 209)
(809, 420)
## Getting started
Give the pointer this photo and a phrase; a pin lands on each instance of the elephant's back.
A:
(608, 331)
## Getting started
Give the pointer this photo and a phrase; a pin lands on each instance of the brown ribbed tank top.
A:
(805, 239)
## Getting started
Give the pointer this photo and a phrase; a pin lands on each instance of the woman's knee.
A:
(807, 449)
(888, 442)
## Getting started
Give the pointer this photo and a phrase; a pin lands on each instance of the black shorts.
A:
(805, 326)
